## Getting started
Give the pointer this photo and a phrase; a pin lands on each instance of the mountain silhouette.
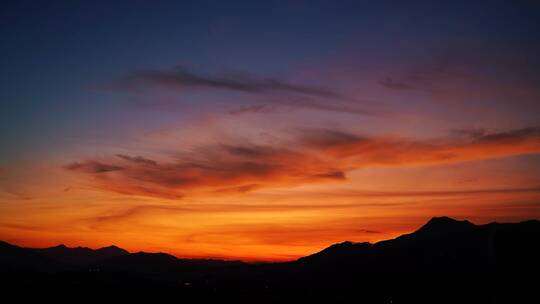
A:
(80, 255)
(444, 261)
(14, 258)
(444, 225)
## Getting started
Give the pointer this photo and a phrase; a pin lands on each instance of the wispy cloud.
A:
(182, 77)
(138, 160)
(93, 167)
(272, 93)
(358, 151)
(314, 156)
(259, 108)
(469, 133)
(446, 193)
(214, 169)
(472, 73)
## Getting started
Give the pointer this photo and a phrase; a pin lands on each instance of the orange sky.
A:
(323, 187)
(263, 130)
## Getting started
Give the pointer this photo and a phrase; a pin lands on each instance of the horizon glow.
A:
(216, 131)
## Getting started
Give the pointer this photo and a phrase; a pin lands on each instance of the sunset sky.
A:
(263, 130)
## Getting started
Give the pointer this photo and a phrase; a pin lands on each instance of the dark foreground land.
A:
(445, 261)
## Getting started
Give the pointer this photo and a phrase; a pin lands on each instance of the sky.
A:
(263, 130)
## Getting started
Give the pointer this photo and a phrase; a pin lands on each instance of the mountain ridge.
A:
(444, 261)
(435, 226)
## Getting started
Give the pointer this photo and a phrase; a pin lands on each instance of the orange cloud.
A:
(360, 152)
(219, 169)
(314, 156)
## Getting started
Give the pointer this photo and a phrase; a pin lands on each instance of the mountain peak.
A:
(444, 224)
(446, 220)
(112, 249)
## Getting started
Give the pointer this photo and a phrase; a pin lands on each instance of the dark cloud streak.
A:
(276, 93)
(93, 167)
(182, 77)
(315, 156)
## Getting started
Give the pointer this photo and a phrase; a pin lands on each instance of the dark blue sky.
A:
(56, 55)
